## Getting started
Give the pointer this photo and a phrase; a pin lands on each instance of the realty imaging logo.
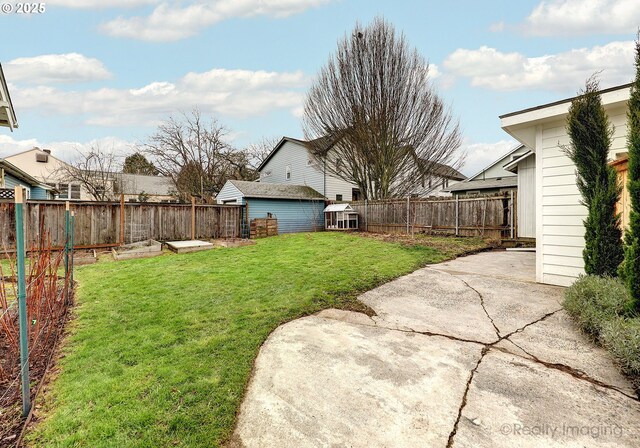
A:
(564, 430)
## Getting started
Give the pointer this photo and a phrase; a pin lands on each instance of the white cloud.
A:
(65, 150)
(56, 68)
(239, 93)
(577, 17)
(480, 155)
(171, 21)
(101, 4)
(492, 69)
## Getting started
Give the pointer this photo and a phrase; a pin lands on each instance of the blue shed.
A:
(297, 208)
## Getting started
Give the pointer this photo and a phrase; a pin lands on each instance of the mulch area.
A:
(11, 420)
(444, 243)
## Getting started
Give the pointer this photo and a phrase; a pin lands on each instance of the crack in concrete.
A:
(521, 329)
(487, 347)
(495, 328)
(453, 432)
(576, 373)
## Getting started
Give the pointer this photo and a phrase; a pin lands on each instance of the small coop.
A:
(340, 217)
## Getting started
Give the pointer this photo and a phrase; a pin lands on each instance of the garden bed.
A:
(142, 249)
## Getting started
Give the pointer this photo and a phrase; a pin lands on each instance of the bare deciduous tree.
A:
(374, 118)
(194, 153)
(258, 152)
(94, 170)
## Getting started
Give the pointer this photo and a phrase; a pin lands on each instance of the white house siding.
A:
(297, 157)
(303, 172)
(527, 198)
(228, 194)
(560, 237)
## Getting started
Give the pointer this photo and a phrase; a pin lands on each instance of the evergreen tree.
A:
(590, 132)
(137, 163)
(631, 268)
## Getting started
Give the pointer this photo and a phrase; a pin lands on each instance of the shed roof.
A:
(275, 191)
(339, 208)
(504, 182)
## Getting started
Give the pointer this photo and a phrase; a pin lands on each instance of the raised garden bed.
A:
(233, 242)
(84, 257)
(142, 249)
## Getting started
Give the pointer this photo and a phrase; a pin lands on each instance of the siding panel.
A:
(293, 216)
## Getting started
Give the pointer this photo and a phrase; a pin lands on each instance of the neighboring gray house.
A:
(438, 183)
(290, 163)
(140, 187)
(297, 208)
(491, 179)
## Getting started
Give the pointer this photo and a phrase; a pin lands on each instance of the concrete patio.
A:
(468, 353)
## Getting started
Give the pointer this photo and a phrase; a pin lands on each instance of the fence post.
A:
(19, 196)
(366, 215)
(457, 215)
(408, 213)
(511, 211)
(121, 219)
(193, 218)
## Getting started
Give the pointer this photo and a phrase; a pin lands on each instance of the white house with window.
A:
(290, 162)
(45, 167)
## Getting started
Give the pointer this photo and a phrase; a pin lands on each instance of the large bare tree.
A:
(193, 151)
(95, 171)
(374, 118)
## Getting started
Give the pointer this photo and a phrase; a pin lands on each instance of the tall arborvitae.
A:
(631, 268)
(591, 133)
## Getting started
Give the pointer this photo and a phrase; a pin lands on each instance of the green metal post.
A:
(73, 229)
(22, 302)
(66, 252)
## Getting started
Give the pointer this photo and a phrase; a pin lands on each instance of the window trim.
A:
(287, 172)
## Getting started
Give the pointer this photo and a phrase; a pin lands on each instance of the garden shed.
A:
(297, 208)
(340, 217)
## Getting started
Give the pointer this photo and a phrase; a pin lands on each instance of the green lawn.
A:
(161, 349)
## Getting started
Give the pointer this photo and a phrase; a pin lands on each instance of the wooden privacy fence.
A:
(107, 224)
(486, 216)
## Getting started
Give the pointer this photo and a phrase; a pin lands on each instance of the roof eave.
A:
(521, 125)
(12, 121)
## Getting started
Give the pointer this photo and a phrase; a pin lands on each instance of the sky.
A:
(107, 72)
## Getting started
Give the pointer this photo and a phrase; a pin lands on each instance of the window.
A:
(75, 191)
(338, 197)
(63, 191)
(355, 194)
(445, 182)
(287, 172)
